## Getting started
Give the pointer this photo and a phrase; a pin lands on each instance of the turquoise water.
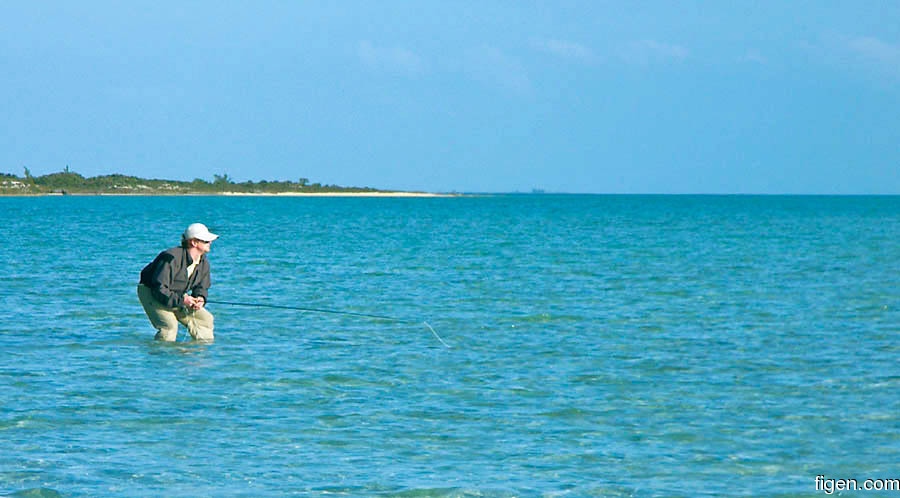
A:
(600, 345)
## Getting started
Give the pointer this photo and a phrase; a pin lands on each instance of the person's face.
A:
(202, 245)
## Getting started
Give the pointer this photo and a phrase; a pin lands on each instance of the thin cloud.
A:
(754, 56)
(647, 51)
(875, 49)
(492, 65)
(565, 49)
(389, 58)
(666, 50)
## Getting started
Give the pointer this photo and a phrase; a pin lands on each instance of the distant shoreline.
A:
(338, 194)
(68, 182)
(234, 194)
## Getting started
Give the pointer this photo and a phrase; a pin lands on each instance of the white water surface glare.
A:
(599, 346)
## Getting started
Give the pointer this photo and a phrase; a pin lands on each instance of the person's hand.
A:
(190, 302)
(199, 301)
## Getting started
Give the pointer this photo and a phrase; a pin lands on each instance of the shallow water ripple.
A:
(600, 346)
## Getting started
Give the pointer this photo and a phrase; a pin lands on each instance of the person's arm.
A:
(161, 283)
(201, 288)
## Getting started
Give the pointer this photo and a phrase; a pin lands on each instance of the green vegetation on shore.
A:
(68, 182)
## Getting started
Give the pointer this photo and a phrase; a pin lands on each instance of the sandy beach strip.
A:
(338, 194)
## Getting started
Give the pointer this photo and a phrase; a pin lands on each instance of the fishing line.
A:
(334, 312)
(435, 334)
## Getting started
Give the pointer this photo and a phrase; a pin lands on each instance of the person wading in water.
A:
(166, 281)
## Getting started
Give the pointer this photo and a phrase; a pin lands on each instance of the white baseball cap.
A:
(199, 231)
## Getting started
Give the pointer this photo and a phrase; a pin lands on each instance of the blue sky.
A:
(486, 96)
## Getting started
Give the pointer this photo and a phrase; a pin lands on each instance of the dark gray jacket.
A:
(167, 277)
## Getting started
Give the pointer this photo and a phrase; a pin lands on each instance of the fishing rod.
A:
(333, 312)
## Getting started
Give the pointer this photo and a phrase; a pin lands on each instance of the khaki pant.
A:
(165, 320)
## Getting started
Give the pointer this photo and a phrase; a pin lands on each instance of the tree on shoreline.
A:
(69, 182)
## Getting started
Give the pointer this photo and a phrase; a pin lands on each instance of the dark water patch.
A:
(446, 493)
(36, 493)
